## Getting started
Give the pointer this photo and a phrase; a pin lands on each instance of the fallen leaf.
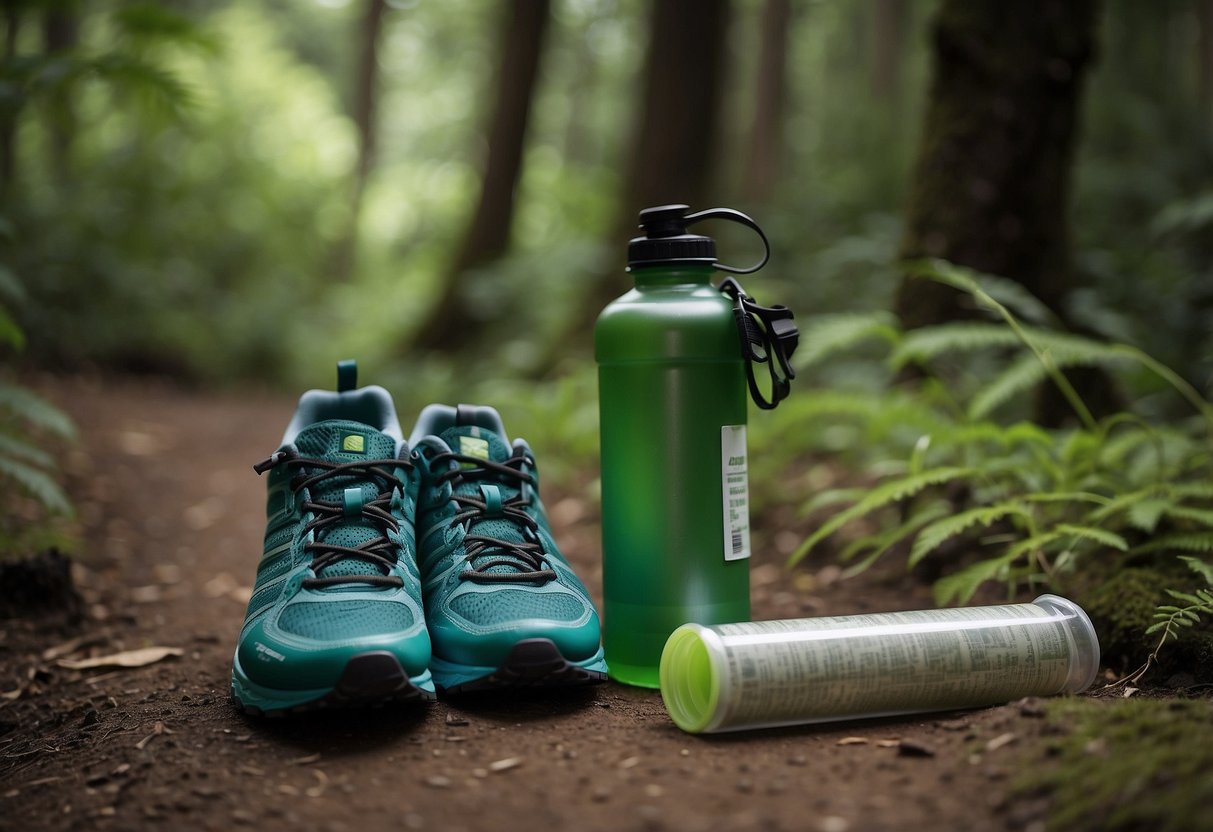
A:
(506, 764)
(999, 741)
(303, 761)
(888, 743)
(852, 741)
(127, 658)
(71, 646)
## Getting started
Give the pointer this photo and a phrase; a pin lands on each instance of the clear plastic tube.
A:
(762, 674)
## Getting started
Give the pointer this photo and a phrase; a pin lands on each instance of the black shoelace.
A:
(525, 557)
(380, 551)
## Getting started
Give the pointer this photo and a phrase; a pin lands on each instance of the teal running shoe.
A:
(503, 607)
(335, 618)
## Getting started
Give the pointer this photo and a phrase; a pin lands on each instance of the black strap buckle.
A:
(768, 336)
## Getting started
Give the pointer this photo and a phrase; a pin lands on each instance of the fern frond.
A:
(1107, 538)
(150, 23)
(1184, 542)
(882, 495)
(933, 536)
(1123, 502)
(831, 497)
(921, 345)
(1198, 566)
(10, 332)
(960, 586)
(1013, 295)
(1066, 497)
(37, 484)
(881, 543)
(1203, 516)
(14, 448)
(1192, 490)
(1144, 515)
(1027, 371)
(835, 333)
(35, 411)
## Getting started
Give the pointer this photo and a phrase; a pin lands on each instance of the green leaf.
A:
(882, 495)
(1154, 628)
(1184, 542)
(10, 332)
(10, 287)
(1203, 516)
(35, 411)
(1103, 536)
(921, 345)
(1145, 514)
(933, 536)
(15, 448)
(835, 333)
(37, 484)
(961, 585)
(1184, 596)
(881, 543)
(831, 497)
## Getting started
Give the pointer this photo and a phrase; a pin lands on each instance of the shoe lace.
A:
(526, 556)
(380, 551)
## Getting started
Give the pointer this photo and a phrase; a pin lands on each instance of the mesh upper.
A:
(503, 606)
(337, 619)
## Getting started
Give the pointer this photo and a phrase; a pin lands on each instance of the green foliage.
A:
(1124, 765)
(957, 471)
(1171, 618)
(34, 501)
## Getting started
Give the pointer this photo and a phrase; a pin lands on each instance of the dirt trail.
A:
(172, 515)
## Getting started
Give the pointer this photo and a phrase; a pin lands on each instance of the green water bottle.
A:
(674, 356)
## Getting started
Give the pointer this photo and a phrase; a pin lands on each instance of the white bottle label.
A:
(735, 490)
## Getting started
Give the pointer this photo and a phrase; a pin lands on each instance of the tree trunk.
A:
(60, 34)
(451, 323)
(1204, 57)
(673, 145)
(992, 182)
(888, 47)
(366, 95)
(9, 110)
(765, 153)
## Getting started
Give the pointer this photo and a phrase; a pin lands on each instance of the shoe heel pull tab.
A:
(347, 375)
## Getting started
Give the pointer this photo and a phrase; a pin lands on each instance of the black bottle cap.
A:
(666, 241)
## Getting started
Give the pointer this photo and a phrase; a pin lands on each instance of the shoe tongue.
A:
(340, 441)
(482, 443)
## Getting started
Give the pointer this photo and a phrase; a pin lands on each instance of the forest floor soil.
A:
(171, 517)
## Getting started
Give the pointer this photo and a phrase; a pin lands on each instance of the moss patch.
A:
(1126, 765)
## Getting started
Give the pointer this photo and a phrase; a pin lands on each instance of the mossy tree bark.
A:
(992, 182)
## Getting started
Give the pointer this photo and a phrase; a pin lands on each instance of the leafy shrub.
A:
(959, 466)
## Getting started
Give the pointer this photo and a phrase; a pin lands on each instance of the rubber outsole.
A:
(532, 663)
(371, 679)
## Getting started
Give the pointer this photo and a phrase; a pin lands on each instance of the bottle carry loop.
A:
(768, 333)
(768, 336)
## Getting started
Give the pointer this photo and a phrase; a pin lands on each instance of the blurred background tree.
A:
(250, 189)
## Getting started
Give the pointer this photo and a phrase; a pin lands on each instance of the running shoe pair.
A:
(393, 567)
